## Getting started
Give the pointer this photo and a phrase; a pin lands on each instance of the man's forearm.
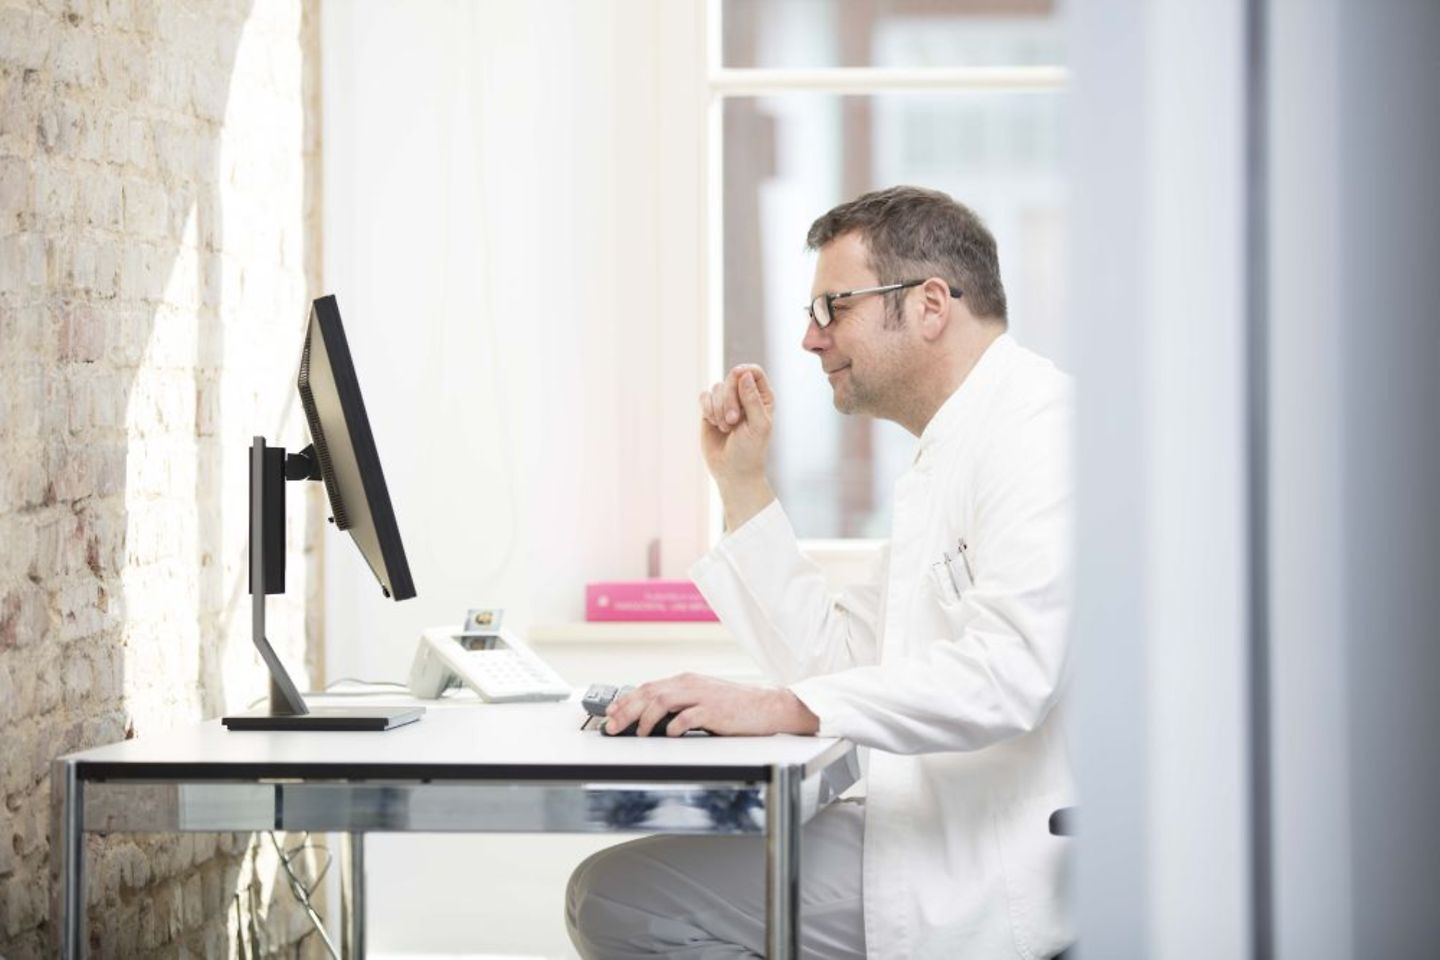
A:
(793, 716)
(744, 499)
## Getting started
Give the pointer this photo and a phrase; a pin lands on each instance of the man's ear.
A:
(935, 308)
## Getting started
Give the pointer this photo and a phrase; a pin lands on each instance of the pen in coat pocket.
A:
(949, 564)
(963, 549)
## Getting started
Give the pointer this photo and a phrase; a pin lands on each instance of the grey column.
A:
(1388, 105)
(352, 897)
(67, 857)
(782, 863)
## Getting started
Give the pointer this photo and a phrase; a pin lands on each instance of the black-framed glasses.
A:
(819, 309)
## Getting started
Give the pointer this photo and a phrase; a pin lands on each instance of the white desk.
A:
(462, 767)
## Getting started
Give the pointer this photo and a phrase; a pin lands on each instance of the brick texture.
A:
(159, 242)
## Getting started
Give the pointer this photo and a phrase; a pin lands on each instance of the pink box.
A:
(673, 600)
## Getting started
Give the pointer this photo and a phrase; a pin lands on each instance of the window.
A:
(817, 101)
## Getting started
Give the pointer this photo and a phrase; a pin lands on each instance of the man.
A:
(947, 665)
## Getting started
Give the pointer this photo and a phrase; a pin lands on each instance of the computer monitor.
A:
(345, 448)
(343, 455)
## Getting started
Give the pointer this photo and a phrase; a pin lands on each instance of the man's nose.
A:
(816, 338)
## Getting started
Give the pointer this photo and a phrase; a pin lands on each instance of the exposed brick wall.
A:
(159, 225)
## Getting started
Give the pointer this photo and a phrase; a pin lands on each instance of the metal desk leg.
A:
(352, 897)
(782, 863)
(67, 857)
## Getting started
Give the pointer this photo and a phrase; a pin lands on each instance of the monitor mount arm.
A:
(270, 467)
(304, 465)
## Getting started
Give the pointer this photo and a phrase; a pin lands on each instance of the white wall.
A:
(512, 199)
(512, 207)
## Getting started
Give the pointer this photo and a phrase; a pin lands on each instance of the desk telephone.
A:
(501, 668)
(493, 662)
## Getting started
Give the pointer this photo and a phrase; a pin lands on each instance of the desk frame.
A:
(121, 797)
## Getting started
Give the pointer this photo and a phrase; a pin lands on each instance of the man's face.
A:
(864, 360)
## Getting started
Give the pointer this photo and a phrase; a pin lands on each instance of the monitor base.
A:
(327, 718)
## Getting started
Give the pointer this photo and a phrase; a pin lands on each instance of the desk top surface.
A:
(455, 739)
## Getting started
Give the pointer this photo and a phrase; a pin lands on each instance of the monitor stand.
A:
(269, 469)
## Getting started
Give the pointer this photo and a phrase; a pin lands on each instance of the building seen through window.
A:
(792, 155)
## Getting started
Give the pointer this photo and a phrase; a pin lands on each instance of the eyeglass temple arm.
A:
(885, 288)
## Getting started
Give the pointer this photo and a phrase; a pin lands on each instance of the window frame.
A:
(719, 83)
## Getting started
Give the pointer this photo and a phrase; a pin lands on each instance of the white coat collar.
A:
(967, 403)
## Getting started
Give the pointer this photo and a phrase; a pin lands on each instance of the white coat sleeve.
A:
(778, 606)
(996, 671)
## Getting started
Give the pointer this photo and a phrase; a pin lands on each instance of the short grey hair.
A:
(911, 233)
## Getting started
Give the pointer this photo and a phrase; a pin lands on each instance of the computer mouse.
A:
(599, 697)
(656, 731)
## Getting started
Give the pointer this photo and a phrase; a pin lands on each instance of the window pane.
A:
(890, 33)
(790, 158)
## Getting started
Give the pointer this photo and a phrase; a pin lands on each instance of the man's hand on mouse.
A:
(736, 418)
(706, 703)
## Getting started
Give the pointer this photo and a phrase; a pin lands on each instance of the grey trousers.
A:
(703, 898)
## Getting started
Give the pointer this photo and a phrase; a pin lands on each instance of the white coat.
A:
(952, 683)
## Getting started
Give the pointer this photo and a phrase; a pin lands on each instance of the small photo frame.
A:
(482, 622)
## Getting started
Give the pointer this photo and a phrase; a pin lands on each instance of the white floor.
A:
(493, 895)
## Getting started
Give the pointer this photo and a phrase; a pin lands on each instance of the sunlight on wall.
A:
(258, 317)
(161, 634)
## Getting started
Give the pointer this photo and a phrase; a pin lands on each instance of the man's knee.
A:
(579, 908)
(654, 897)
(599, 923)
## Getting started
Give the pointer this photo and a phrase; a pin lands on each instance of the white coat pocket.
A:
(1035, 863)
(944, 584)
(946, 614)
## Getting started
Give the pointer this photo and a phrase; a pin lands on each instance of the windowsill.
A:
(843, 561)
(628, 632)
